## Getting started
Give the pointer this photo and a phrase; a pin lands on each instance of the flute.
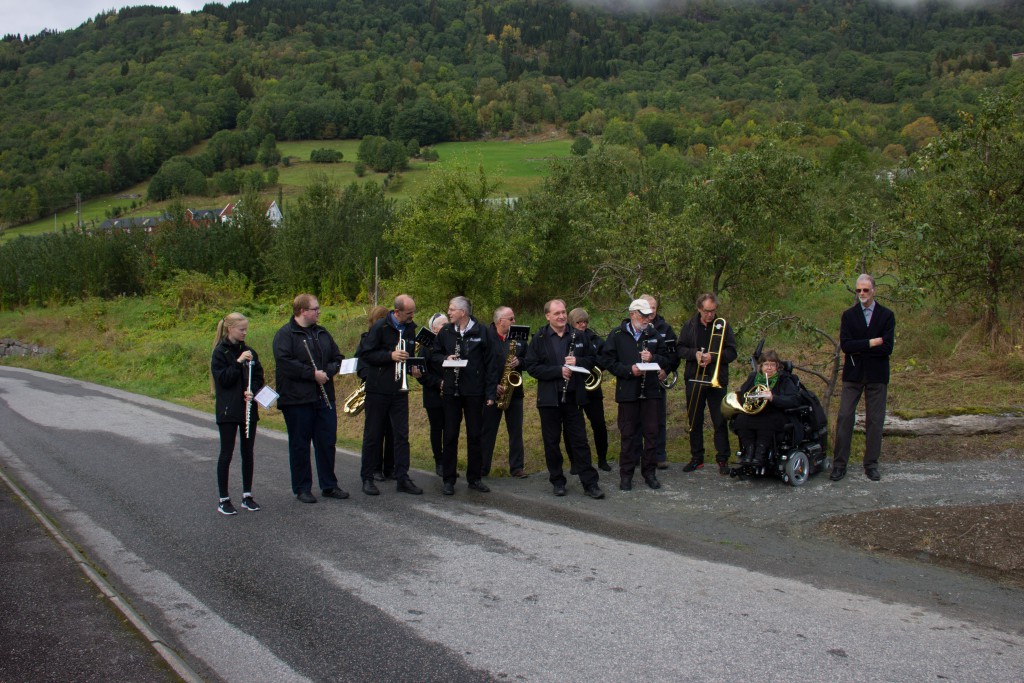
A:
(248, 401)
(323, 392)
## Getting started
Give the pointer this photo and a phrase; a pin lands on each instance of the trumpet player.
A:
(382, 354)
(757, 431)
(579, 319)
(504, 318)
(638, 393)
(465, 390)
(667, 342)
(560, 394)
(307, 359)
(694, 347)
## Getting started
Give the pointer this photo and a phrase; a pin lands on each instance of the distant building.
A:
(273, 213)
(146, 223)
(1017, 55)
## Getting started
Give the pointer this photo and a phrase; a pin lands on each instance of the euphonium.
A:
(510, 379)
(356, 401)
(753, 402)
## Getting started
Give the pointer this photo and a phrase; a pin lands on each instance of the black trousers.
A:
(513, 425)
(704, 395)
(875, 395)
(228, 430)
(594, 410)
(455, 409)
(568, 417)
(382, 410)
(317, 423)
(384, 462)
(435, 417)
(760, 429)
(638, 428)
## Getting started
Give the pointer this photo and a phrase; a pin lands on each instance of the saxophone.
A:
(510, 379)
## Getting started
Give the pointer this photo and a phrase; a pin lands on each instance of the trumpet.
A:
(356, 401)
(400, 370)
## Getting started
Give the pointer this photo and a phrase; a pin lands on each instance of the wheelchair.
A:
(800, 450)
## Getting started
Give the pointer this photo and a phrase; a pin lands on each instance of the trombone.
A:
(715, 344)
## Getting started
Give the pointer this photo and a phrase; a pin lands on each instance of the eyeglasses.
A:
(865, 290)
(512, 319)
(713, 310)
(313, 309)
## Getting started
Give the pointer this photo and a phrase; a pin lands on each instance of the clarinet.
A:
(571, 354)
(643, 376)
(457, 352)
(323, 392)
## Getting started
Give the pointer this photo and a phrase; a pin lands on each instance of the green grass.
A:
(517, 165)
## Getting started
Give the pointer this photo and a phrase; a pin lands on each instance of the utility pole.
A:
(78, 208)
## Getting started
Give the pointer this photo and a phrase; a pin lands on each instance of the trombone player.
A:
(382, 354)
(707, 344)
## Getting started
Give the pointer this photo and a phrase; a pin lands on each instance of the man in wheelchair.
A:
(781, 425)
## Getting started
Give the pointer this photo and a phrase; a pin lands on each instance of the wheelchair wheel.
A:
(798, 468)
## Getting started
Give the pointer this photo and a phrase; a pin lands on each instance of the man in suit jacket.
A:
(867, 332)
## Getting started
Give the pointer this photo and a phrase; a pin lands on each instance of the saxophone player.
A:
(381, 353)
(504, 318)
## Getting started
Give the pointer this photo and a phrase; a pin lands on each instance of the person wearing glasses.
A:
(757, 432)
(867, 332)
(694, 347)
(307, 359)
(579, 319)
(504, 319)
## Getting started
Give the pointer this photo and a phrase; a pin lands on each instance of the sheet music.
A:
(577, 368)
(266, 396)
(648, 367)
(455, 363)
(348, 366)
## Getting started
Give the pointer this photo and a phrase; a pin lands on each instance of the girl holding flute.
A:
(236, 376)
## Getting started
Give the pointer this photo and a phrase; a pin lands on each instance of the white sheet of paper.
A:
(648, 367)
(266, 396)
(455, 363)
(348, 366)
(577, 368)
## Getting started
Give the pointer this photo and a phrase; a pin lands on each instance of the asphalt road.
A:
(709, 579)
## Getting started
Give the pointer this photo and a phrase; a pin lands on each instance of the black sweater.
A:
(231, 379)
(546, 367)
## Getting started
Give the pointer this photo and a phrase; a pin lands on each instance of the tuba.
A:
(510, 379)
(753, 402)
(356, 401)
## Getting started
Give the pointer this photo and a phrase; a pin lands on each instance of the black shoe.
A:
(407, 486)
(723, 467)
(652, 481)
(369, 488)
(604, 466)
(693, 465)
(340, 494)
(760, 455)
(626, 482)
(226, 508)
(479, 486)
(837, 473)
(378, 476)
(594, 491)
(448, 488)
(305, 497)
(249, 503)
(873, 474)
(662, 465)
(748, 455)
(559, 489)
(519, 474)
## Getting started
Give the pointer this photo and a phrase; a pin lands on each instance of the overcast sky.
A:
(29, 17)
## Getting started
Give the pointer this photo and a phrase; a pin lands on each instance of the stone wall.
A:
(13, 347)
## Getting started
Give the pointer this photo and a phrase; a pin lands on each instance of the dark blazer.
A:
(295, 382)
(693, 337)
(785, 393)
(546, 368)
(231, 379)
(621, 352)
(479, 377)
(374, 353)
(500, 350)
(865, 363)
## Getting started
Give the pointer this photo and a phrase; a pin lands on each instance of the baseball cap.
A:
(641, 305)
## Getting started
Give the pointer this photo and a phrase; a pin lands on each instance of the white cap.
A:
(641, 305)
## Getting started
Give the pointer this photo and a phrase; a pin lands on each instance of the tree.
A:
(962, 209)
(268, 154)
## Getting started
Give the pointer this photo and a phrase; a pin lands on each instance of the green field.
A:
(516, 164)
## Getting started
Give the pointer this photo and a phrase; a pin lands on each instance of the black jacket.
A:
(430, 380)
(622, 352)
(693, 337)
(865, 363)
(231, 379)
(500, 349)
(295, 382)
(479, 377)
(374, 353)
(546, 368)
(668, 341)
(785, 393)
